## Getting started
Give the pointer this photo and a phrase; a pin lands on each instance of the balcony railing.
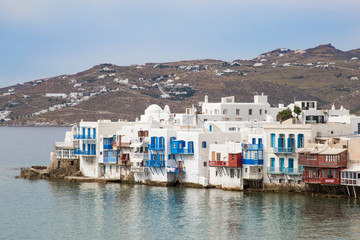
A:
(82, 152)
(189, 151)
(253, 176)
(253, 146)
(176, 169)
(155, 163)
(156, 147)
(341, 163)
(248, 161)
(284, 150)
(275, 170)
(85, 137)
(293, 171)
(65, 154)
(110, 160)
(225, 163)
(121, 144)
(139, 169)
(141, 156)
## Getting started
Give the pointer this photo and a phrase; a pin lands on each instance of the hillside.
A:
(108, 91)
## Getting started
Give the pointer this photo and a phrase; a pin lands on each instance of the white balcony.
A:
(138, 157)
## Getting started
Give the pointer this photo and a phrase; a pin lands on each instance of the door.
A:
(212, 156)
(272, 166)
(291, 165)
(282, 165)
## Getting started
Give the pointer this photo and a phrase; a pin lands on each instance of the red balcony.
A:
(235, 160)
(308, 160)
(321, 176)
(121, 144)
(333, 160)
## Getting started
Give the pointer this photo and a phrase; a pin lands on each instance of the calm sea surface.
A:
(41, 209)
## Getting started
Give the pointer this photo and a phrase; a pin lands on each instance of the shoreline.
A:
(42, 172)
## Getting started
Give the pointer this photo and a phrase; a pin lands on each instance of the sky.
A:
(42, 38)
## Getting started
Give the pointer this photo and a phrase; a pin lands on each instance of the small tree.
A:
(297, 110)
(284, 115)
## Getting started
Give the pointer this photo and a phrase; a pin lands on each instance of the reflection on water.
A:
(41, 209)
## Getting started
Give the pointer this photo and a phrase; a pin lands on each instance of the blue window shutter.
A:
(273, 140)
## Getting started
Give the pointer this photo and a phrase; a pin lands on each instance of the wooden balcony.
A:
(235, 164)
(121, 144)
(308, 160)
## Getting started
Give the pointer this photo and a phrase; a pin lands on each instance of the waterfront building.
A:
(90, 143)
(284, 141)
(63, 160)
(225, 165)
(323, 161)
(226, 144)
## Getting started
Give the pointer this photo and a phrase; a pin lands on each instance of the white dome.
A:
(153, 108)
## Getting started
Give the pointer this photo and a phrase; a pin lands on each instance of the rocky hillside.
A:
(107, 91)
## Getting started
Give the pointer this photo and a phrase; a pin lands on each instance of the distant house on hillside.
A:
(55, 95)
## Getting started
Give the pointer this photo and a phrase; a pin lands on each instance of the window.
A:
(300, 141)
(291, 142)
(237, 111)
(254, 141)
(205, 164)
(210, 128)
(72, 163)
(272, 162)
(213, 156)
(281, 141)
(272, 140)
(246, 170)
(260, 111)
(250, 111)
(232, 129)
(265, 111)
(218, 156)
(232, 173)
(238, 173)
(203, 144)
(216, 172)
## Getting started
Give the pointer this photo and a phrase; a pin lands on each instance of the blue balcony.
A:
(156, 147)
(179, 147)
(253, 146)
(293, 171)
(189, 151)
(275, 170)
(110, 156)
(83, 137)
(253, 161)
(155, 163)
(86, 153)
(284, 150)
